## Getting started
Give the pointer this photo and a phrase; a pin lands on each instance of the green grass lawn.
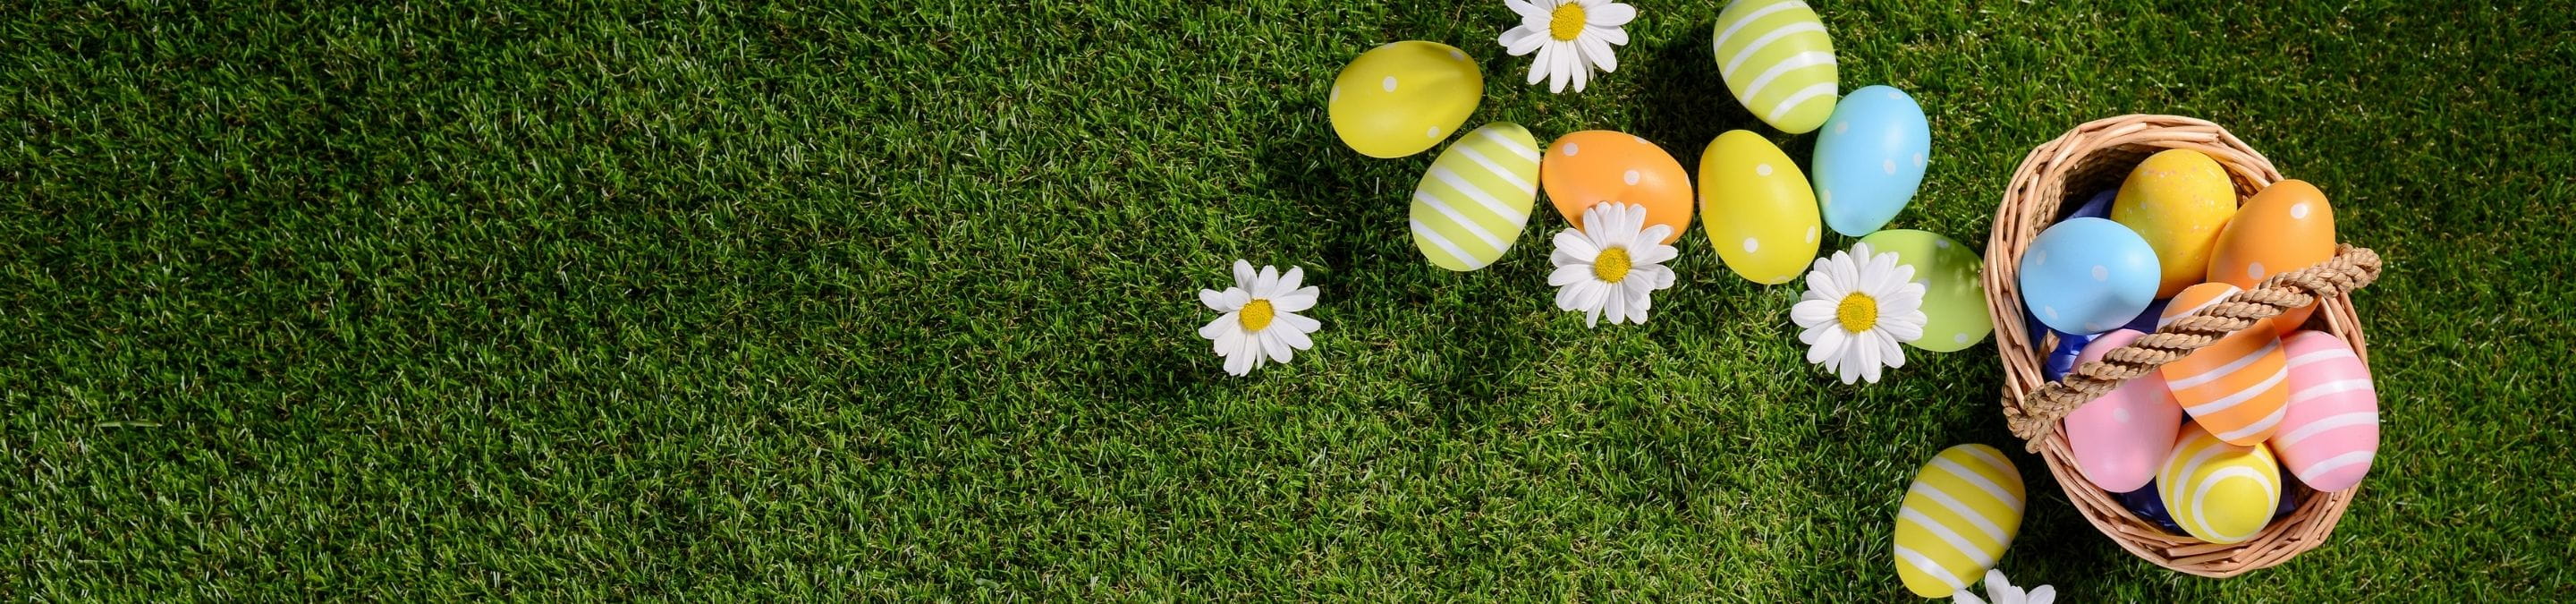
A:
(897, 300)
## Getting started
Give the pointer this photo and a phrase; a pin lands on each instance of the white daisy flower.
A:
(1571, 37)
(2000, 591)
(1855, 314)
(1613, 264)
(1261, 321)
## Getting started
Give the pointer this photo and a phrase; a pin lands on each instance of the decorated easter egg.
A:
(2088, 275)
(1594, 166)
(1954, 294)
(2177, 199)
(2331, 429)
(2121, 439)
(1757, 207)
(2285, 227)
(2219, 492)
(2148, 506)
(2097, 207)
(1400, 99)
(1471, 205)
(1961, 512)
(1775, 57)
(2235, 387)
(1870, 158)
(2061, 358)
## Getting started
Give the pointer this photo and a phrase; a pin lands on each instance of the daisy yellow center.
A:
(1566, 22)
(1611, 266)
(1257, 315)
(1858, 313)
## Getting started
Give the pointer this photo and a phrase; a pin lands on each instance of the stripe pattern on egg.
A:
(1472, 204)
(1778, 61)
(1962, 510)
(2219, 492)
(2331, 430)
(2236, 387)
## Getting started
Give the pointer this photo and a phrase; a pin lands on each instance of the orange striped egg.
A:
(2286, 227)
(2219, 492)
(2331, 430)
(2236, 387)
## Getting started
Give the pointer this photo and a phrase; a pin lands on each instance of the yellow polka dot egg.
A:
(1760, 212)
(2177, 199)
(2219, 492)
(1403, 98)
(1961, 512)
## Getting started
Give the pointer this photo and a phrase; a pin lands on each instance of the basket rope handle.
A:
(2351, 268)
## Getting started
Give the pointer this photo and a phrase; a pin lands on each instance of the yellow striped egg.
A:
(2238, 386)
(1757, 208)
(1776, 58)
(1961, 512)
(2219, 492)
(1474, 201)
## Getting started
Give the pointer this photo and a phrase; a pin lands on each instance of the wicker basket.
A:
(2094, 157)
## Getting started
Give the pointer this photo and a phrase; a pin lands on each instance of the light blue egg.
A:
(1869, 159)
(2088, 275)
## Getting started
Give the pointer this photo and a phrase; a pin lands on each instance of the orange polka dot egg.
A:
(2286, 227)
(1595, 166)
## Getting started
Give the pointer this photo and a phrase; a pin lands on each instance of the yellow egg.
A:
(1758, 208)
(2178, 200)
(2286, 227)
(2218, 492)
(1402, 98)
(1961, 512)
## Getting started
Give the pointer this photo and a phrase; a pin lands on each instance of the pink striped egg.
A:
(2331, 430)
(2236, 387)
(2121, 439)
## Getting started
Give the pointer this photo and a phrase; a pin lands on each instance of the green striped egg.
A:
(1473, 202)
(1961, 512)
(1778, 61)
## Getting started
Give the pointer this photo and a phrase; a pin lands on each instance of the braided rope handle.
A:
(2351, 268)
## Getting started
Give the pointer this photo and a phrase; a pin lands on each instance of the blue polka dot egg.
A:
(2088, 275)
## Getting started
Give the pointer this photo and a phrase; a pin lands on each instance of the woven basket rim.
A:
(2031, 201)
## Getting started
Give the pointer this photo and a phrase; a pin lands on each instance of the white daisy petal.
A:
(1217, 328)
(1563, 258)
(1239, 364)
(1214, 300)
(1570, 297)
(1598, 52)
(1527, 41)
(1812, 313)
(2044, 594)
(1828, 344)
(1656, 254)
(1243, 274)
(1289, 282)
(1560, 58)
(1583, 68)
(1234, 298)
(1278, 349)
(1609, 15)
(1572, 242)
(1821, 281)
(1663, 276)
(1889, 353)
(1569, 274)
(1540, 63)
(1297, 322)
(1293, 338)
(1655, 235)
(1612, 35)
(1526, 9)
(1594, 295)
(1963, 596)
(1301, 299)
(1902, 328)
(1230, 337)
(1268, 284)
(1617, 304)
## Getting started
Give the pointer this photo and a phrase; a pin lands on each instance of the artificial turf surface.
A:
(686, 300)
